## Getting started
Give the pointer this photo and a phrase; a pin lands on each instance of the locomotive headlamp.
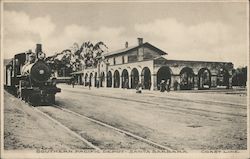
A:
(41, 72)
(41, 55)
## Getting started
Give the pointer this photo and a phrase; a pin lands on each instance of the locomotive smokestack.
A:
(38, 49)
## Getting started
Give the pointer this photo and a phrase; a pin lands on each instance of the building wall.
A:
(118, 60)
(176, 66)
(149, 54)
(140, 54)
(132, 56)
(146, 57)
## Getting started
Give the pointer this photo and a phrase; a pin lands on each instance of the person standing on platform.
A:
(126, 84)
(89, 84)
(139, 88)
(176, 85)
(97, 83)
(168, 85)
(150, 84)
(73, 82)
(162, 86)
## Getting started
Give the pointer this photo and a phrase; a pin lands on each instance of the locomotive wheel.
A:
(19, 90)
(18, 93)
(27, 99)
(33, 100)
(51, 99)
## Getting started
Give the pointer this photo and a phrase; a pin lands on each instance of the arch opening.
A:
(102, 79)
(163, 75)
(125, 78)
(146, 78)
(223, 78)
(116, 79)
(95, 77)
(186, 79)
(204, 79)
(86, 79)
(134, 78)
(109, 79)
(90, 79)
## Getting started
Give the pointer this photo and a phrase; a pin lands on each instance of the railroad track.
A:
(193, 111)
(68, 130)
(129, 134)
(214, 103)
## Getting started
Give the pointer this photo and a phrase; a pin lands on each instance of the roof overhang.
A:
(122, 51)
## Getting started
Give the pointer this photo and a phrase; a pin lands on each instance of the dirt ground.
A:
(102, 137)
(25, 129)
(179, 120)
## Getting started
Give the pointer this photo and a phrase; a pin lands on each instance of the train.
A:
(29, 77)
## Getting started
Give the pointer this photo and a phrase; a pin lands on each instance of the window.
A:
(123, 60)
(114, 61)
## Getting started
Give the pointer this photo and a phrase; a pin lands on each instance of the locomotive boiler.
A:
(30, 77)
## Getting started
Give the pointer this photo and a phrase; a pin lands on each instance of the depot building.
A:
(146, 64)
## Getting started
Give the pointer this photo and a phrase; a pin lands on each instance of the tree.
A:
(239, 76)
(76, 57)
(91, 53)
(61, 62)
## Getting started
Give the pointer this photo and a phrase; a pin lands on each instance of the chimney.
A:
(126, 44)
(140, 41)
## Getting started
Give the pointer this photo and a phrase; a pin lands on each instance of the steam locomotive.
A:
(29, 77)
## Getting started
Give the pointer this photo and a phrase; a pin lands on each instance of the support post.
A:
(154, 82)
(195, 82)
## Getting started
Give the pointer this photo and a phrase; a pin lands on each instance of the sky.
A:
(205, 31)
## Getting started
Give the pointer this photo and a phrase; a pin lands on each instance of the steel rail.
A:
(68, 129)
(181, 108)
(152, 143)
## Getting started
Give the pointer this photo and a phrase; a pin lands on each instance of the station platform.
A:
(235, 96)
